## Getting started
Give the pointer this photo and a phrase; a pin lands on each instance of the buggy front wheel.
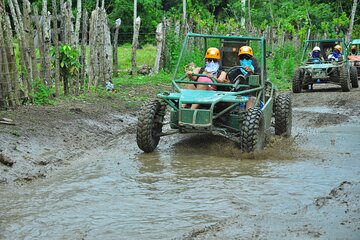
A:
(149, 126)
(253, 131)
(283, 115)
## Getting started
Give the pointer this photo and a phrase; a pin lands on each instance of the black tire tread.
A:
(283, 115)
(250, 131)
(354, 77)
(297, 80)
(149, 126)
(344, 79)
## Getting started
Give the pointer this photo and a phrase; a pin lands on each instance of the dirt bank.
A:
(44, 138)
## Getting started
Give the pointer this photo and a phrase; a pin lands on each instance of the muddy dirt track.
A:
(48, 141)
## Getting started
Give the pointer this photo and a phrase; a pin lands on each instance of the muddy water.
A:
(190, 182)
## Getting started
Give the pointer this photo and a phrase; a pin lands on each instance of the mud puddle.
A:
(120, 193)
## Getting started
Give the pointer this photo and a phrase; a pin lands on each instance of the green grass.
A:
(146, 55)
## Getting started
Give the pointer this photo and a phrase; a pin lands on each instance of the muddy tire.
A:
(253, 131)
(297, 80)
(354, 77)
(283, 115)
(344, 79)
(149, 126)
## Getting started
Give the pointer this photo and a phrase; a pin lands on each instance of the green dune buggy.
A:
(323, 70)
(221, 112)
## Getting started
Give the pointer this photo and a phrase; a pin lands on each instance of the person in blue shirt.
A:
(248, 62)
(248, 66)
(316, 55)
(336, 54)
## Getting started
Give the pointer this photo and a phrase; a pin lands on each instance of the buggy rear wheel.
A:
(149, 126)
(283, 115)
(253, 130)
(354, 77)
(297, 80)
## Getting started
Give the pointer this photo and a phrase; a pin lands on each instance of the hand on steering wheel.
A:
(230, 74)
(239, 78)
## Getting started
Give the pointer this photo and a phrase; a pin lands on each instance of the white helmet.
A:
(316, 49)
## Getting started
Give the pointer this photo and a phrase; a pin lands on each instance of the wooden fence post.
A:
(46, 42)
(77, 24)
(115, 48)
(19, 28)
(83, 48)
(30, 39)
(56, 48)
(159, 47)
(100, 54)
(40, 41)
(135, 44)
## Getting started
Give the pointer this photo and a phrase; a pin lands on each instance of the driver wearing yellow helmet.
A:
(211, 69)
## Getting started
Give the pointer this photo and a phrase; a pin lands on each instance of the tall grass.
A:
(280, 68)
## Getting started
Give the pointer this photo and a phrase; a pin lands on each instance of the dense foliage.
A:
(330, 18)
(292, 20)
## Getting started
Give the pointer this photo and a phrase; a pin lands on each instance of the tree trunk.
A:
(348, 36)
(243, 13)
(4, 68)
(56, 48)
(135, 44)
(115, 48)
(249, 16)
(184, 19)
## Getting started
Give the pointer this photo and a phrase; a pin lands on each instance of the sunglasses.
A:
(211, 60)
(244, 56)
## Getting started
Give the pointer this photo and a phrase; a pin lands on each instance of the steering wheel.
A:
(235, 78)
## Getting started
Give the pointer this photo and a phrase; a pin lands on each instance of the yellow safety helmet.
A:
(338, 47)
(213, 53)
(246, 50)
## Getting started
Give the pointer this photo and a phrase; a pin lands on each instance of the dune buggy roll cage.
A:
(236, 93)
(226, 40)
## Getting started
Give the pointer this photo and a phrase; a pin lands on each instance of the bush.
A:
(41, 95)
(281, 67)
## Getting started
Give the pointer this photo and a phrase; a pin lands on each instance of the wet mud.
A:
(75, 172)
